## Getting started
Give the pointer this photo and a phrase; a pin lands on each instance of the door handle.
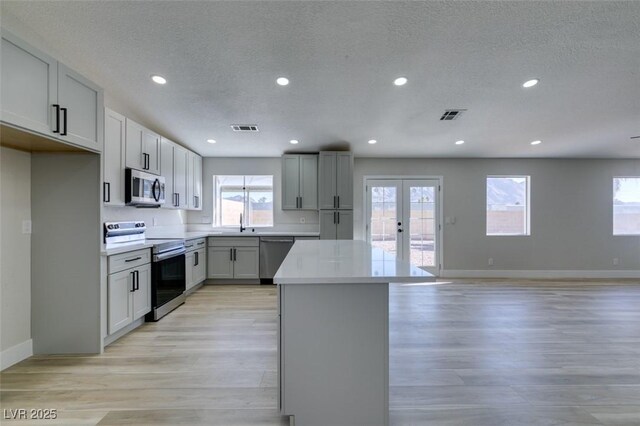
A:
(231, 254)
(399, 230)
(196, 259)
(132, 259)
(106, 192)
(338, 197)
(235, 254)
(57, 129)
(133, 281)
(334, 202)
(338, 217)
(334, 218)
(137, 280)
(64, 121)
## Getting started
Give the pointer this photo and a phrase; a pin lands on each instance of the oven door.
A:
(167, 280)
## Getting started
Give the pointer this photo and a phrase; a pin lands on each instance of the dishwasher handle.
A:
(276, 240)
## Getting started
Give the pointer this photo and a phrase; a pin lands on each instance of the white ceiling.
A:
(221, 60)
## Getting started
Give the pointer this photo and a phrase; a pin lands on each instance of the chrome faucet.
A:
(242, 228)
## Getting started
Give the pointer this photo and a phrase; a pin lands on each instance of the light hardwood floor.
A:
(464, 353)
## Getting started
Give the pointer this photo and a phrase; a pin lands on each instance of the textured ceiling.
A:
(221, 60)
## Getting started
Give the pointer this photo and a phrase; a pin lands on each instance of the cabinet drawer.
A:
(131, 259)
(196, 244)
(234, 241)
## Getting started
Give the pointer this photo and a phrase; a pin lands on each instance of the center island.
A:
(333, 337)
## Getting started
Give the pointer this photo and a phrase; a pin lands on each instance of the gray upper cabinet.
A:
(300, 182)
(113, 158)
(42, 95)
(29, 86)
(143, 148)
(81, 106)
(336, 180)
(166, 170)
(194, 181)
(180, 177)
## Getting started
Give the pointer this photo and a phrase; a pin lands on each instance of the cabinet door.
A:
(119, 307)
(247, 262)
(197, 182)
(194, 169)
(290, 181)
(200, 268)
(166, 170)
(180, 158)
(309, 182)
(29, 86)
(344, 181)
(81, 103)
(151, 147)
(328, 221)
(220, 263)
(142, 295)
(189, 267)
(134, 137)
(327, 180)
(113, 158)
(344, 229)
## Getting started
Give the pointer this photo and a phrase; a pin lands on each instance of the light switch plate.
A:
(26, 226)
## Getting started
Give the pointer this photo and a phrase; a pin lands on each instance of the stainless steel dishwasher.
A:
(273, 250)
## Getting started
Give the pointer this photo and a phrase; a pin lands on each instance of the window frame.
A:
(527, 218)
(246, 190)
(613, 207)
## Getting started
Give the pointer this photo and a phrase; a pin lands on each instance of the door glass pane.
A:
(422, 226)
(384, 218)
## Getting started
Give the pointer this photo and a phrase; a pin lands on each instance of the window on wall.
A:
(508, 205)
(626, 206)
(251, 196)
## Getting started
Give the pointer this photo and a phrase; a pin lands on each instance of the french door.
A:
(403, 218)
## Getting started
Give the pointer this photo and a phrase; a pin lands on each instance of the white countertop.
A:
(192, 235)
(345, 261)
(126, 247)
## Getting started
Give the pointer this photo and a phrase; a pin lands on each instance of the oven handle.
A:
(168, 255)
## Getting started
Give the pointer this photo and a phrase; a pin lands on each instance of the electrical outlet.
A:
(490, 261)
(26, 226)
(616, 261)
(303, 219)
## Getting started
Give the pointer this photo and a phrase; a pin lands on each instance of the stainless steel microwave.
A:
(143, 189)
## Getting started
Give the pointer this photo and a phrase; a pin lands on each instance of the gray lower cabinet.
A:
(195, 262)
(233, 258)
(129, 296)
(336, 224)
(42, 95)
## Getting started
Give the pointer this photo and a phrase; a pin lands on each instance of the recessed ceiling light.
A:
(372, 141)
(158, 79)
(459, 142)
(536, 142)
(400, 81)
(530, 83)
(211, 140)
(282, 81)
(294, 141)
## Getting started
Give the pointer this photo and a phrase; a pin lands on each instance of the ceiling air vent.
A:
(451, 114)
(245, 127)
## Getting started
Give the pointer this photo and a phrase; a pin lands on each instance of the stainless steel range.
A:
(167, 269)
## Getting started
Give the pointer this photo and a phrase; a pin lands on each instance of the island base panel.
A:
(334, 353)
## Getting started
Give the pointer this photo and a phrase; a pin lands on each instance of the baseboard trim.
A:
(15, 354)
(539, 274)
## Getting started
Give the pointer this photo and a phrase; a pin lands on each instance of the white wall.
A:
(250, 166)
(15, 254)
(571, 212)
